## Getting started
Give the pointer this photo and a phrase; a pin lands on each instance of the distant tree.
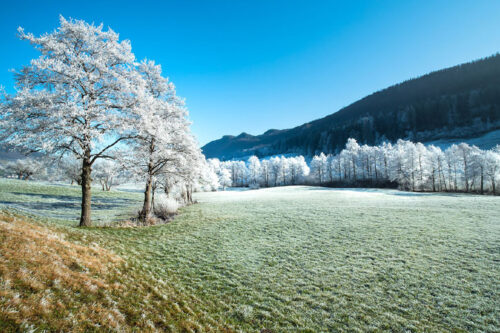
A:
(352, 151)
(492, 166)
(436, 165)
(318, 167)
(225, 178)
(275, 163)
(265, 168)
(209, 178)
(254, 170)
(108, 173)
(465, 155)
(298, 169)
(24, 168)
(453, 164)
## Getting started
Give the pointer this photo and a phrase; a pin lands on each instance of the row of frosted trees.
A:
(86, 99)
(407, 165)
(276, 171)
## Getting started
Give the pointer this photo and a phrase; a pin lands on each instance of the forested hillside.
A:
(458, 102)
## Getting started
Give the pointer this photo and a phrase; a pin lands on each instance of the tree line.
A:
(407, 165)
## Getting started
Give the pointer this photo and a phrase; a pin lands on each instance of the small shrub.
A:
(165, 208)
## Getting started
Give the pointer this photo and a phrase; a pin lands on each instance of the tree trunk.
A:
(189, 193)
(153, 199)
(433, 181)
(146, 208)
(85, 220)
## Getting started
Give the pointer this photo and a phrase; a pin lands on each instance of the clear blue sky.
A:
(255, 65)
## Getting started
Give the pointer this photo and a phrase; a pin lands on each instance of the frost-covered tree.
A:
(254, 170)
(225, 178)
(265, 168)
(210, 180)
(464, 152)
(70, 169)
(108, 173)
(239, 172)
(352, 149)
(24, 168)
(318, 168)
(275, 163)
(436, 167)
(298, 169)
(75, 99)
(492, 167)
(223, 175)
(453, 166)
(162, 134)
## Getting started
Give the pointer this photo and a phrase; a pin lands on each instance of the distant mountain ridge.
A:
(453, 103)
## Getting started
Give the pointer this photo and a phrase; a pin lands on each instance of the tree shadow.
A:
(66, 202)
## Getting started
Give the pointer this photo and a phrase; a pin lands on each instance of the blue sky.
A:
(255, 65)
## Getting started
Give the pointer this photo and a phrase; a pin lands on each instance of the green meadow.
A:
(301, 259)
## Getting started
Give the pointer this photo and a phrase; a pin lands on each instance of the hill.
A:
(459, 102)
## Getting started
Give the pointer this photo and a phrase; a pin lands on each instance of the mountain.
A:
(450, 104)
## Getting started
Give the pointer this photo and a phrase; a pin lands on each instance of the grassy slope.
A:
(50, 283)
(313, 259)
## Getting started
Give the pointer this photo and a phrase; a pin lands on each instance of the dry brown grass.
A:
(49, 283)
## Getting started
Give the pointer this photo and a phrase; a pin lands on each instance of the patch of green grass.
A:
(312, 259)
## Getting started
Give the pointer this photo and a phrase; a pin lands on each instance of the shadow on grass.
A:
(40, 202)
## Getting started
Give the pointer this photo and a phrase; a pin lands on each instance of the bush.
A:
(165, 207)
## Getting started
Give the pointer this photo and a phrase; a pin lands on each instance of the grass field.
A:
(62, 201)
(311, 259)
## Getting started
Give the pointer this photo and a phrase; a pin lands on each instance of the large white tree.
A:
(76, 98)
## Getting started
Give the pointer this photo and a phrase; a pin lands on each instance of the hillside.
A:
(459, 102)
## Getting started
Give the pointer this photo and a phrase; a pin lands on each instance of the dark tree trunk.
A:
(482, 181)
(146, 208)
(433, 181)
(85, 220)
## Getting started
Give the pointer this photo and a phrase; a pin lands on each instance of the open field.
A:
(313, 259)
(62, 201)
